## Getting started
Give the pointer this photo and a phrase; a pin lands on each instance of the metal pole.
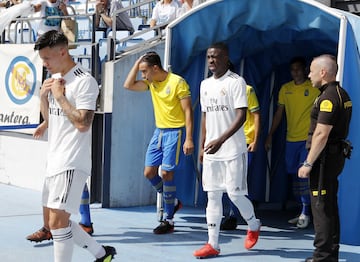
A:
(341, 49)
(271, 112)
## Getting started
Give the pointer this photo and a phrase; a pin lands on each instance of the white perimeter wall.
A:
(22, 161)
(325, 2)
(132, 129)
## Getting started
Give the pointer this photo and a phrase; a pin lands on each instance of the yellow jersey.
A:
(166, 96)
(298, 101)
(253, 106)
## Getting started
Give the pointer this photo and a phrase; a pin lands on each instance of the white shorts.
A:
(63, 191)
(229, 176)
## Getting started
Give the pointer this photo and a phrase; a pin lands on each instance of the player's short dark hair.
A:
(298, 60)
(220, 45)
(152, 59)
(50, 39)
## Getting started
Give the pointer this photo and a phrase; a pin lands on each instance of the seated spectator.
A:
(104, 12)
(186, 5)
(164, 12)
(50, 8)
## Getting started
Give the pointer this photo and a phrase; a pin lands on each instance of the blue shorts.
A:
(295, 155)
(165, 148)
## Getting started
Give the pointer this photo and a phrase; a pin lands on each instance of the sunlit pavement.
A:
(129, 230)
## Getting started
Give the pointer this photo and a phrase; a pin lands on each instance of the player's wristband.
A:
(307, 164)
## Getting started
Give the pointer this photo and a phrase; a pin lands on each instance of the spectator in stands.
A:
(186, 5)
(164, 12)
(50, 8)
(9, 3)
(105, 10)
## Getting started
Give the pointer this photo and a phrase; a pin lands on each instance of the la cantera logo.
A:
(20, 80)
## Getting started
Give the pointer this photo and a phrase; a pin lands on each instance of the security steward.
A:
(330, 119)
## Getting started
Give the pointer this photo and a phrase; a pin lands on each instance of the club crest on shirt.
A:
(326, 106)
(167, 90)
(306, 92)
(222, 92)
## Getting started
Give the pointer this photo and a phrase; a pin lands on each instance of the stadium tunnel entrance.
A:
(262, 37)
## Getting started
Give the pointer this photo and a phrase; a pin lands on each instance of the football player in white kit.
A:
(68, 103)
(224, 151)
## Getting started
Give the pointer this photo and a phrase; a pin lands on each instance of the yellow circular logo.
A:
(20, 80)
(326, 106)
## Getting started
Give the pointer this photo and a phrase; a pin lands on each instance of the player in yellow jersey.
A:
(173, 119)
(296, 99)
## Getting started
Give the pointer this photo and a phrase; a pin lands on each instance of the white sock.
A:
(84, 240)
(171, 221)
(213, 217)
(63, 244)
(246, 210)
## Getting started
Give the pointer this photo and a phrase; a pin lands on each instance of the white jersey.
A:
(68, 147)
(219, 98)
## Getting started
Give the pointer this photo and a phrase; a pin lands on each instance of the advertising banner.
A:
(20, 81)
